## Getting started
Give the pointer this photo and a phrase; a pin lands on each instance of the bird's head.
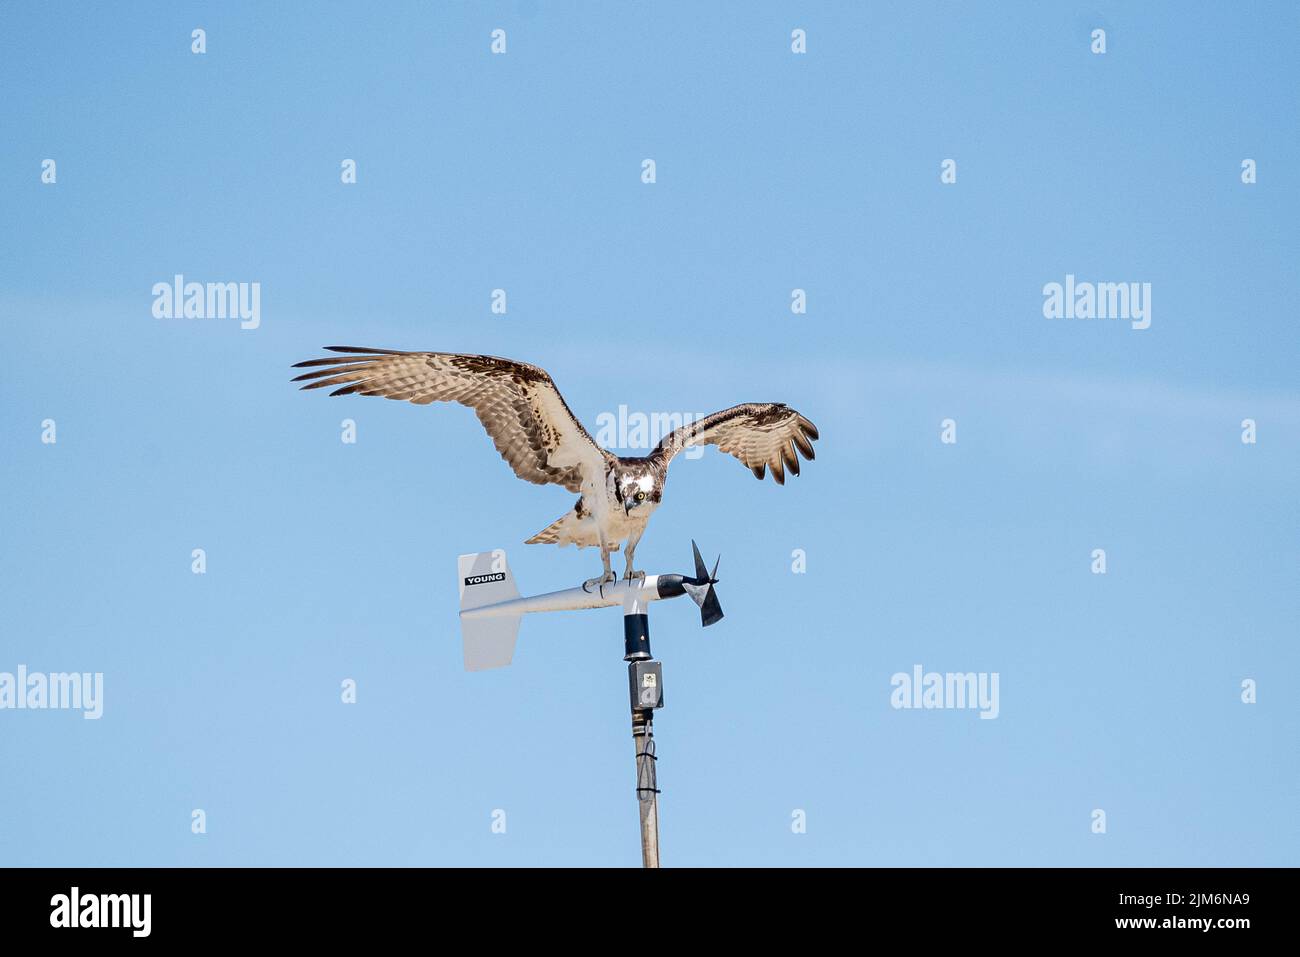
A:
(636, 489)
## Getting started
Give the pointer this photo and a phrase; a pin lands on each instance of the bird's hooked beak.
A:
(627, 507)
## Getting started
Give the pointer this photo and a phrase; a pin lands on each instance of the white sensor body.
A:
(490, 605)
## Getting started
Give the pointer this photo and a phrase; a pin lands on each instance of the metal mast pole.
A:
(645, 687)
(647, 794)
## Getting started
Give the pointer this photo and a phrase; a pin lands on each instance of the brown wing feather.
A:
(762, 435)
(518, 404)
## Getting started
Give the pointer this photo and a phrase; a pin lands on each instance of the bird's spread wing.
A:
(517, 403)
(763, 435)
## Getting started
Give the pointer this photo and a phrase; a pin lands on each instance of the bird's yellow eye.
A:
(640, 496)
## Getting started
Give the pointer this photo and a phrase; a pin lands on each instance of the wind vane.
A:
(490, 611)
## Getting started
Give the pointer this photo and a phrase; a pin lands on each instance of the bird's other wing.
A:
(518, 404)
(763, 435)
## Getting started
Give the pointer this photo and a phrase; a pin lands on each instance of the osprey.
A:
(538, 436)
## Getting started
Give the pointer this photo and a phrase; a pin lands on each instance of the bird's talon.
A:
(604, 579)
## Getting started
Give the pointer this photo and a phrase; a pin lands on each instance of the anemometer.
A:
(490, 611)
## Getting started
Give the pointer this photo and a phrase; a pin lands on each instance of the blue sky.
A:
(775, 171)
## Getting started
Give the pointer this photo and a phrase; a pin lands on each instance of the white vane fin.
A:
(485, 579)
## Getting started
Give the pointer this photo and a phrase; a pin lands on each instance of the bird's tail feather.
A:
(565, 530)
(550, 535)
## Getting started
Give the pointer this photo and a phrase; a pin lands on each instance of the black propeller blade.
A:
(701, 569)
(701, 588)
